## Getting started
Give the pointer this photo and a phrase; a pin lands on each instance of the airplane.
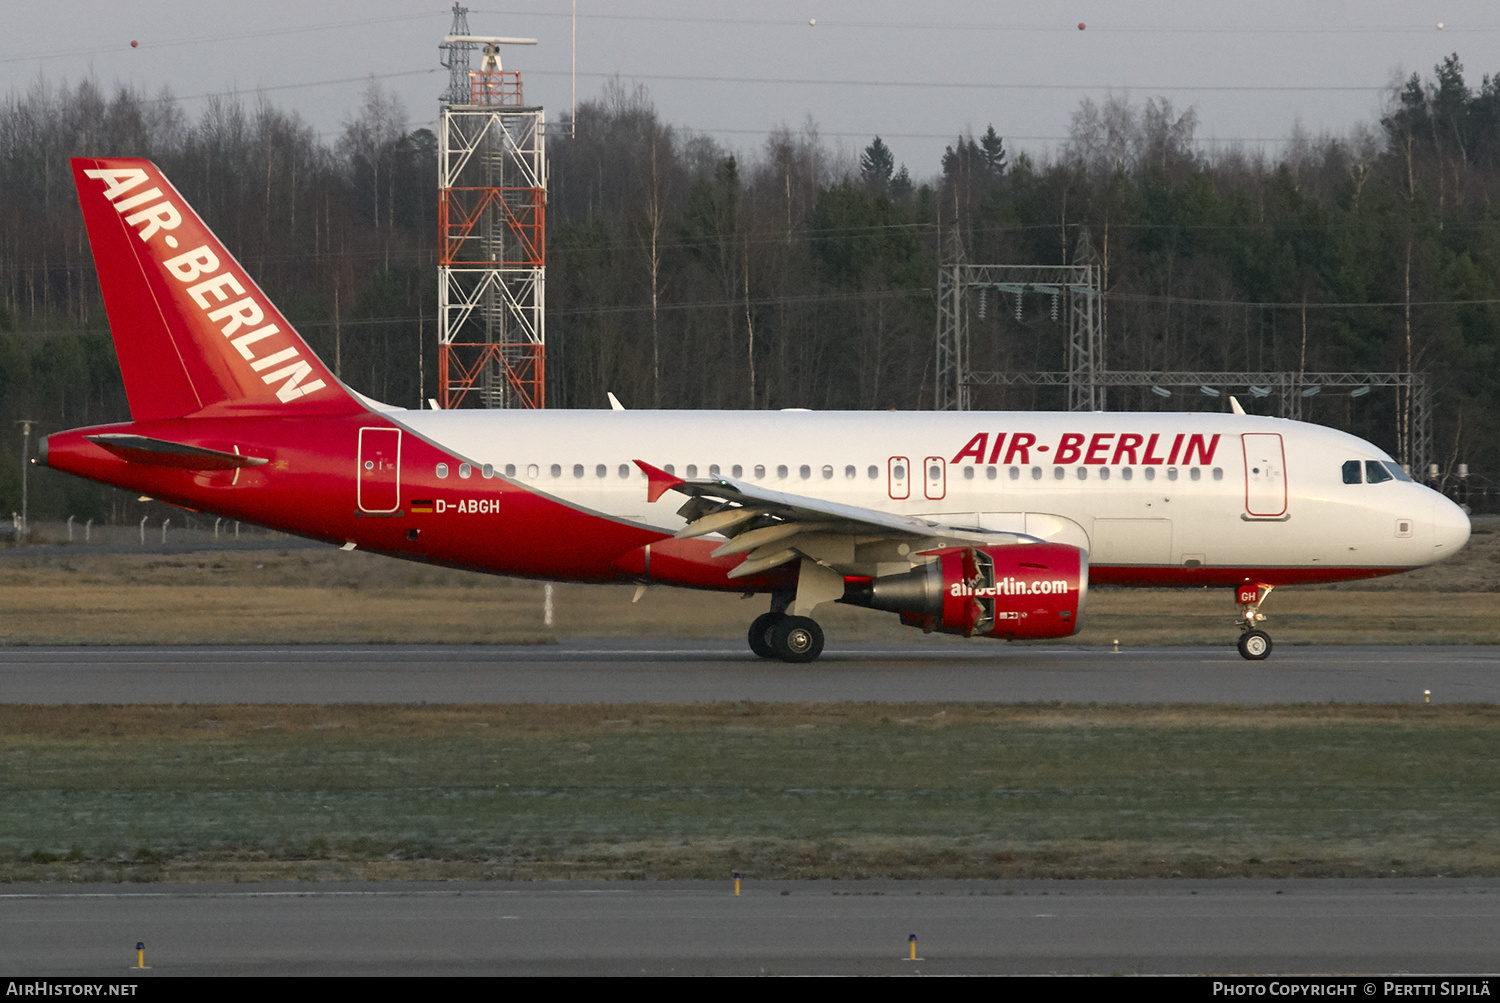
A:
(989, 524)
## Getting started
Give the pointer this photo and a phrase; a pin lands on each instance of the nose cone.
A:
(1450, 527)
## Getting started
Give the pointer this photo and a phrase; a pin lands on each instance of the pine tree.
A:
(876, 166)
(994, 152)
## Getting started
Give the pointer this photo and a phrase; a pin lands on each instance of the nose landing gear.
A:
(1254, 643)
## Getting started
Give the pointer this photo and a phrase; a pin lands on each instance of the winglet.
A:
(658, 481)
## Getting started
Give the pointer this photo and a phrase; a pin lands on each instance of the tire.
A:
(797, 639)
(1255, 645)
(760, 634)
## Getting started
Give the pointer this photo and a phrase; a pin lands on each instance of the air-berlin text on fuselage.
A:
(1101, 448)
(155, 215)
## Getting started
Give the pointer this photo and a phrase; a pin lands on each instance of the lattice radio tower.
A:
(492, 197)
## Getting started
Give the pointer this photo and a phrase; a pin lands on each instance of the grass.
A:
(785, 790)
(316, 596)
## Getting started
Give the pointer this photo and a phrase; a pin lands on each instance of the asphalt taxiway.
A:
(774, 928)
(593, 671)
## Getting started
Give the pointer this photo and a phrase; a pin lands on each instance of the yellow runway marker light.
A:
(912, 946)
(140, 955)
(736, 882)
(1427, 696)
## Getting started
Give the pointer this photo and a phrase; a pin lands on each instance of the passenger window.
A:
(805, 471)
(1083, 473)
(1036, 473)
(827, 473)
(669, 468)
(601, 471)
(968, 473)
(624, 471)
(1218, 473)
(442, 470)
(488, 471)
(850, 473)
(760, 471)
(510, 470)
(991, 473)
(578, 470)
(464, 470)
(1150, 473)
(1351, 472)
(533, 471)
(874, 472)
(781, 471)
(713, 470)
(1015, 473)
(1127, 473)
(692, 470)
(1195, 474)
(557, 470)
(898, 471)
(1375, 472)
(736, 471)
(1104, 473)
(1171, 473)
(1058, 473)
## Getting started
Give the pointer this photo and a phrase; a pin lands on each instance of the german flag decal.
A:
(421, 505)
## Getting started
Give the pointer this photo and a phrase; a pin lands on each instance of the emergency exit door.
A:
(379, 474)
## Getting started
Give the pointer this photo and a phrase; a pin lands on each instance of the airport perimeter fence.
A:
(182, 530)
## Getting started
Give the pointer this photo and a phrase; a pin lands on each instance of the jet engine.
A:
(1021, 591)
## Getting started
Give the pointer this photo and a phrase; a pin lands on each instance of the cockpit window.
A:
(1375, 472)
(1352, 472)
(1395, 468)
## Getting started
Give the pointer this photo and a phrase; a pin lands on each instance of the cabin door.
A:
(1265, 475)
(379, 474)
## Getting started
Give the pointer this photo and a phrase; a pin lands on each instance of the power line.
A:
(971, 84)
(949, 135)
(208, 39)
(311, 83)
(868, 295)
(1008, 27)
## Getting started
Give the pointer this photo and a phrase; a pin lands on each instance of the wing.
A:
(773, 527)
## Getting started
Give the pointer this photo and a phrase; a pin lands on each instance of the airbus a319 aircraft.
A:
(973, 523)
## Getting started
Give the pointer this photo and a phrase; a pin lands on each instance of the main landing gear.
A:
(1254, 643)
(789, 638)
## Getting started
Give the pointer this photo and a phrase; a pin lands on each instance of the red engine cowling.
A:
(1028, 590)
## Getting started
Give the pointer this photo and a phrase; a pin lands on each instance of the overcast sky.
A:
(915, 73)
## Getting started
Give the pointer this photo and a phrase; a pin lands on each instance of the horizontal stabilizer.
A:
(161, 453)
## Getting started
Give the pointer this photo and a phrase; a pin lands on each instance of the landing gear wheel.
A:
(1255, 645)
(796, 639)
(760, 634)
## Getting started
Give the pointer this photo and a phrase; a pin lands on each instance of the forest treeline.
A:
(685, 274)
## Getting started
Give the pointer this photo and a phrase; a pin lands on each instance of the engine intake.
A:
(1028, 591)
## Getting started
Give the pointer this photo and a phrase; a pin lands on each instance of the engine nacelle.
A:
(1026, 590)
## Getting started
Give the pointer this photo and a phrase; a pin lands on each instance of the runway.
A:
(774, 928)
(593, 671)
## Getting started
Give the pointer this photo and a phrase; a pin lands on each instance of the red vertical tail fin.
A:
(190, 326)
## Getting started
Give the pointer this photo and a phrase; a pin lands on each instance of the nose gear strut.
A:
(1254, 643)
